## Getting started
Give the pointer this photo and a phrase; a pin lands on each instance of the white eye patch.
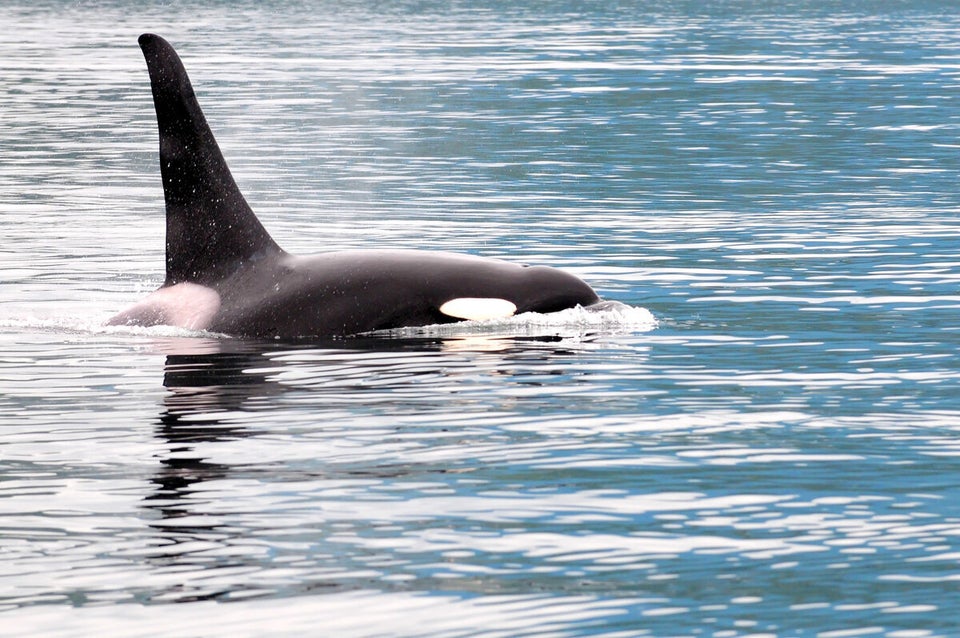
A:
(478, 308)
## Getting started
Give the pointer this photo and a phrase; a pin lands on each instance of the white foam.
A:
(612, 318)
(94, 325)
(609, 318)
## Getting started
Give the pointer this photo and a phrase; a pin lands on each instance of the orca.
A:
(226, 274)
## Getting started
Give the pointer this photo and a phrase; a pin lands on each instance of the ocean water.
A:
(765, 443)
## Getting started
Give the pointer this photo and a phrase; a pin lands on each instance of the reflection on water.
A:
(203, 384)
(775, 454)
(405, 466)
(214, 388)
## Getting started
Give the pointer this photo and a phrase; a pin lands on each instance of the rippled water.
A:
(777, 454)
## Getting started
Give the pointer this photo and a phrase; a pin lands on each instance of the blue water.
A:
(774, 454)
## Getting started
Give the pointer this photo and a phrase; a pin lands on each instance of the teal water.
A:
(775, 455)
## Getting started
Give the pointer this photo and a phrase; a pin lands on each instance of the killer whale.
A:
(226, 274)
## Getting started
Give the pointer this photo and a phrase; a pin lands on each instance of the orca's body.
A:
(226, 274)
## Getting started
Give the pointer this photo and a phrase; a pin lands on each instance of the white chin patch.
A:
(478, 308)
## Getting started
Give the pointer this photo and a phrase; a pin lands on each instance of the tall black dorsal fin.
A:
(211, 229)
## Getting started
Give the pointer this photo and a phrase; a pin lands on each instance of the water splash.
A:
(609, 317)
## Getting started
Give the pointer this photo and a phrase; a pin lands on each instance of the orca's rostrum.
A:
(226, 274)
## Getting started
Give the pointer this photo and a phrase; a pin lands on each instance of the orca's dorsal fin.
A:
(211, 229)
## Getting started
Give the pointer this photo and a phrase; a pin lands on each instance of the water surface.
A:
(776, 455)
